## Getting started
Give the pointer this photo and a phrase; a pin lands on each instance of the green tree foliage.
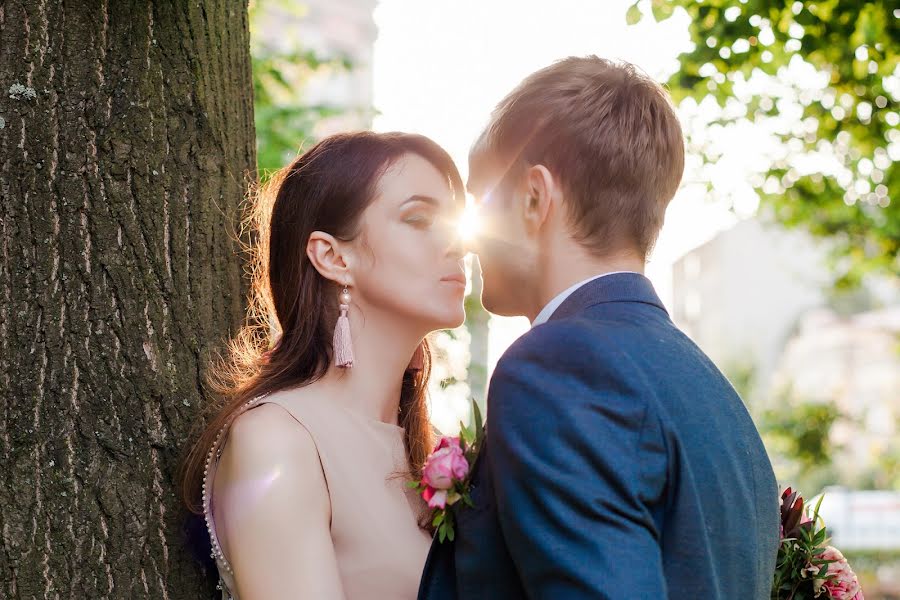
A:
(850, 114)
(284, 121)
(797, 434)
(803, 429)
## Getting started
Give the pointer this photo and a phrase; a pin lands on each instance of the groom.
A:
(618, 462)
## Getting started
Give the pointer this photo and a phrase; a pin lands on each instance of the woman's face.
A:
(409, 257)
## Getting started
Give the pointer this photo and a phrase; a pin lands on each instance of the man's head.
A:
(583, 154)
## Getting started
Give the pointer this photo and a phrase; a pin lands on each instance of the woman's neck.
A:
(381, 352)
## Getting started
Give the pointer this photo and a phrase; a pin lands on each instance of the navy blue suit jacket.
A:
(618, 463)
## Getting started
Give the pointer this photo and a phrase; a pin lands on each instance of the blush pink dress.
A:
(379, 546)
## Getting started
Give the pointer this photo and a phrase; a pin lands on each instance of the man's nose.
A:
(469, 244)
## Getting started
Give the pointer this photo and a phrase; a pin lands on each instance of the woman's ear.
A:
(326, 253)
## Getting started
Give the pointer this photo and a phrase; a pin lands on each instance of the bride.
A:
(301, 474)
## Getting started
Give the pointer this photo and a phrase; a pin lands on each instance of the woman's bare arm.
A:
(273, 512)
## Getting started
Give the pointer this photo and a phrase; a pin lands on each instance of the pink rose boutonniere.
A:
(446, 475)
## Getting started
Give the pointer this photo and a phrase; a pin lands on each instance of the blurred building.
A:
(758, 300)
(740, 295)
(862, 520)
(853, 361)
(758, 297)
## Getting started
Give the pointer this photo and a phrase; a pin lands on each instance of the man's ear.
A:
(541, 191)
(329, 257)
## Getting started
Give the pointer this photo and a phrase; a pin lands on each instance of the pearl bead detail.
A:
(345, 297)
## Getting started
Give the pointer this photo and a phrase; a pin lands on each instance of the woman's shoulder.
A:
(303, 403)
(284, 423)
(316, 409)
(267, 444)
(266, 415)
(268, 432)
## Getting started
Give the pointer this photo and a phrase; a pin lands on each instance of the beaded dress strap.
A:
(212, 460)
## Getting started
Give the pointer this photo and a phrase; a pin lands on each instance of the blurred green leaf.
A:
(633, 15)
(662, 9)
(285, 121)
(857, 43)
(805, 428)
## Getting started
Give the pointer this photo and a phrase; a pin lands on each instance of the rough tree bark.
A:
(127, 134)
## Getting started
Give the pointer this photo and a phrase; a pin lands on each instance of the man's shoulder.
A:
(590, 336)
(548, 335)
(611, 355)
(566, 365)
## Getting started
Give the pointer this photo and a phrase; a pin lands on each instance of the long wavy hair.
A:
(326, 189)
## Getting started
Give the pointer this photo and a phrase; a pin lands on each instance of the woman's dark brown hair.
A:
(326, 189)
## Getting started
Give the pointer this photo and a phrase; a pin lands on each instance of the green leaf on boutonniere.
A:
(472, 434)
(445, 529)
(478, 421)
(466, 435)
(464, 438)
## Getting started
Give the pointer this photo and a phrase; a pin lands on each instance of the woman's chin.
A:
(451, 319)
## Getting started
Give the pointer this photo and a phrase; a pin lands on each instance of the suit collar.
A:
(551, 307)
(617, 287)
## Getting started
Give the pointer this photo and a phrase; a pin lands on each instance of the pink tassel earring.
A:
(417, 362)
(343, 344)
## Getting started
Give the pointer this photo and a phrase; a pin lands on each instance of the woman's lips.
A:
(458, 279)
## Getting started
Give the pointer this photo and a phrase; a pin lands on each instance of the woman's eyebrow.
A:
(421, 198)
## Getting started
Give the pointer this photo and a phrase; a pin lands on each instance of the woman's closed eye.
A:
(420, 220)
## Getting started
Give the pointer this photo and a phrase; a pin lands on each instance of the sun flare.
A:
(469, 223)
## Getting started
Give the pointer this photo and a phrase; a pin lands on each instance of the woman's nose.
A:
(451, 238)
(456, 248)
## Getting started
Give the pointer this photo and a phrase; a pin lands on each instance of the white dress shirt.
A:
(551, 307)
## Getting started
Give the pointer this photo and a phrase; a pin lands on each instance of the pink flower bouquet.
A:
(807, 567)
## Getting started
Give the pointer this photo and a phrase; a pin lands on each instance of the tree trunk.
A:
(126, 140)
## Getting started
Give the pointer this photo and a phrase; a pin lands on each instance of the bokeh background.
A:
(779, 256)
